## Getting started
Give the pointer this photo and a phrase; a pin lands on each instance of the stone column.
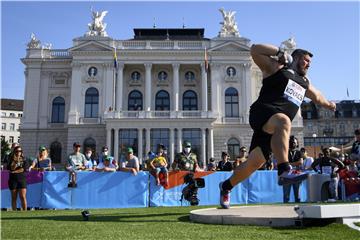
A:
(248, 95)
(108, 139)
(116, 144)
(147, 140)
(215, 100)
(140, 145)
(119, 87)
(172, 145)
(211, 142)
(148, 67)
(108, 85)
(75, 94)
(204, 88)
(44, 101)
(179, 139)
(176, 67)
(203, 147)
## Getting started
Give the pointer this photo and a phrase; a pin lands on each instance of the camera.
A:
(189, 192)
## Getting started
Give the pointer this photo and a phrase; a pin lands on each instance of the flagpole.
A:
(114, 81)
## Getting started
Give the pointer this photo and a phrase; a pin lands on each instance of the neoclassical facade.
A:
(168, 85)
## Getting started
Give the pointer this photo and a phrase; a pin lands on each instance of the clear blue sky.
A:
(329, 29)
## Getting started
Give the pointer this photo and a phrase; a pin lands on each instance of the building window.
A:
(20, 115)
(230, 71)
(128, 138)
(90, 143)
(2, 138)
(190, 101)
(233, 148)
(12, 126)
(135, 76)
(162, 76)
(231, 102)
(58, 110)
(55, 152)
(159, 136)
(189, 76)
(162, 101)
(18, 139)
(12, 115)
(11, 139)
(3, 114)
(91, 103)
(3, 126)
(135, 102)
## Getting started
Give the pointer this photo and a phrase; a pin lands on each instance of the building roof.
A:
(12, 104)
(169, 34)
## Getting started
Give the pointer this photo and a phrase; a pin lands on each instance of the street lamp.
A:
(314, 137)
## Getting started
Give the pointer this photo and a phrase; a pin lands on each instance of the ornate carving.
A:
(229, 26)
(34, 43)
(97, 27)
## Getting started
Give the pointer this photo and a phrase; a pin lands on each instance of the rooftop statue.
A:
(34, 43)
(97, 27)
(229, 26)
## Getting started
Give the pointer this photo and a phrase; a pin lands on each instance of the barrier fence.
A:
(124, 190)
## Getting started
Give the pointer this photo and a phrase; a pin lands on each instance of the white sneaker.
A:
(292, 176)
(331, 200)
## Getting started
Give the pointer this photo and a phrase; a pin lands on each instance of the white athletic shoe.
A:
(292, 176)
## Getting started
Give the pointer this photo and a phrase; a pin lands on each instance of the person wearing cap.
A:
(106, 165)
(130, 163)
(159, 165)
(42, 162)
(185, 160)
(211, 165)
(105, 153)
(76, 162)
(90, 161)
(225, 164)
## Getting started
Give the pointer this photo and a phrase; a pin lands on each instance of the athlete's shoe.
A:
(292, 176)
(224, 197)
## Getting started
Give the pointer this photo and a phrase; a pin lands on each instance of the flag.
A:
(347, 92)
(115, 59)
(206, 60)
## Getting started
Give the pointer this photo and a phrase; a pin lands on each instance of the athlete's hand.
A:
(332, 106)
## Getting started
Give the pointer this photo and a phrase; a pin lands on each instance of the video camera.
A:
(189, 192)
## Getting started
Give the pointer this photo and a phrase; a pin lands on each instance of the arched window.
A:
(233, 148)
(190, 101)
(55, 152)
(58, 110)
(231, 102)
(90, 143)
(162, 101)
(91, 103)
(135, 102)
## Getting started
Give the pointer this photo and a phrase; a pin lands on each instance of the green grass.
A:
(149, 223)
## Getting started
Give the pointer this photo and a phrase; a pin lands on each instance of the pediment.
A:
(91, 46)
(230, 47)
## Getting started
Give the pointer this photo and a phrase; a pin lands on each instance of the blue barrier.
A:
(124, 190)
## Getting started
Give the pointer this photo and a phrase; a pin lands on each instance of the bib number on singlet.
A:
(294, 92)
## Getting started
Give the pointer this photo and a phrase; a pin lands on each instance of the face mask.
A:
(88, 155)
(187, 150)
(105, 153)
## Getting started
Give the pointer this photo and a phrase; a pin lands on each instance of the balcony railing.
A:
(158, 114)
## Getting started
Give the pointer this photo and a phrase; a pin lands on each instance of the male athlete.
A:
(285, 85)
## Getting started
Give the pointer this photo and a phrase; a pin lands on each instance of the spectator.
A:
(130, 163)
(224, 164)
(17, 166)
(159, 165)
(241, 158)
(105, 153)
(42, 162)
(355, 149)
(90, 161)
(76, 162)
(106, 165)
(327, 166)
(185, 160)
(211, 165)
(296, 162)
(269, 164)
(6, 158)
(307, 160)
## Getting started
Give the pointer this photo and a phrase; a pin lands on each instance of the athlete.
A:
(285, 84)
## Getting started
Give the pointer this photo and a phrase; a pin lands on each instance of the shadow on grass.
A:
(106, 218)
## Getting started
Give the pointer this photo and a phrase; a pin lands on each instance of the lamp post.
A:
(314, 138)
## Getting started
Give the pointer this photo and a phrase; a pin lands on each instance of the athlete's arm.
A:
(261, 54)
(317, 97)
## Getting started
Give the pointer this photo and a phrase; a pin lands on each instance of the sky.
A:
(330, 30)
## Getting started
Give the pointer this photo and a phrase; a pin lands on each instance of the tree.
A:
(5, 148)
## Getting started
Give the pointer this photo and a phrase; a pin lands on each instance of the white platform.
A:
(276, 215)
